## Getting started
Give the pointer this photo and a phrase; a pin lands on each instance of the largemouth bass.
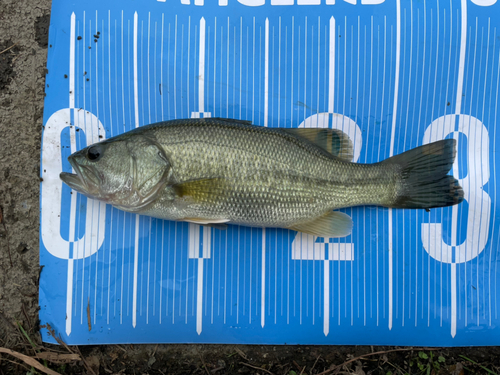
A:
(214, 171)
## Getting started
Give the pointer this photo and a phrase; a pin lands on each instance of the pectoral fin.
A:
(333, 141)
(332, 224)
(202, 190)
(207, 190)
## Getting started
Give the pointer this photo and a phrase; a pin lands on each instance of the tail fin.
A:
(424, 180)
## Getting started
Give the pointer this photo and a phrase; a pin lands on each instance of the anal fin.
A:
(331, 225)
(217, 224)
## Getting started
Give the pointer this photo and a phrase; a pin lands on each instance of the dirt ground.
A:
(23, 51)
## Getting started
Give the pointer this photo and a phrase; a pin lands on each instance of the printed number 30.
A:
(478, 174)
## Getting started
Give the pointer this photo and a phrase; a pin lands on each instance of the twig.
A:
(90, 369)
(5, 227)
(53, 334)
(396, 367)
(241, 354)
(119, 347)
(302, 370)
(255, 367)
(29, 361)
(204, 364)
(316, 361)
(296, 365)
(477, 364)
(12, 46)
(61, 342)
(15, 58)
(370, 354)
(88, 315)
(27, 318)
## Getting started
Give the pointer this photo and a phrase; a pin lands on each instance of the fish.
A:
(217, 171)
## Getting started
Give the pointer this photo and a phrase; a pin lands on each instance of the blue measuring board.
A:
(393, 75)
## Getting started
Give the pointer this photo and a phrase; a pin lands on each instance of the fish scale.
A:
(275, 175)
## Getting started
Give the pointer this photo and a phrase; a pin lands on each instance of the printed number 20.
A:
(304, 246)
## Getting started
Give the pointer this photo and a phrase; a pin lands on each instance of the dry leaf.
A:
(29, 361)
(58, 357)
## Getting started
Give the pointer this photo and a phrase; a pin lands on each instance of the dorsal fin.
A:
(333, 141)
(231, 120)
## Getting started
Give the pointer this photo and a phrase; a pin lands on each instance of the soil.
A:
(23, 50)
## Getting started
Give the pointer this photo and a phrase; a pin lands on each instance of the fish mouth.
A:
(72, 180)
(82, 181)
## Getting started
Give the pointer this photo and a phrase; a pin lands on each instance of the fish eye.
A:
(94, 153)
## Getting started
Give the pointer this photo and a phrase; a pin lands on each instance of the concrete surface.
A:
(22, 77)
